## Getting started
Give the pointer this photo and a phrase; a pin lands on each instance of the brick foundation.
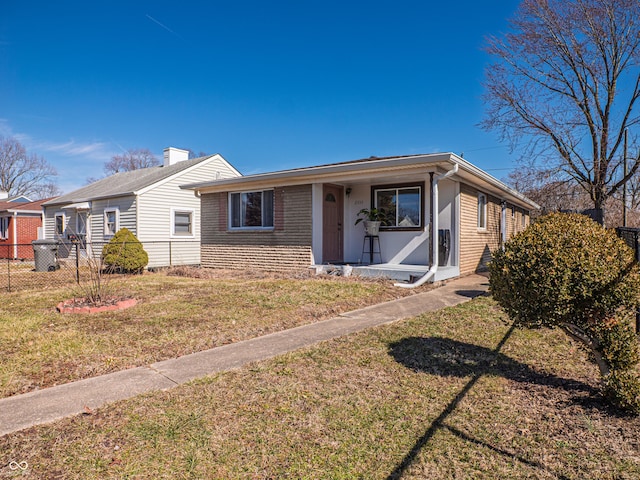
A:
(258, 257)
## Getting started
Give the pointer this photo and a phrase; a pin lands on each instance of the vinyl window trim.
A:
(191, 224)
(116, 223)
(482, 211)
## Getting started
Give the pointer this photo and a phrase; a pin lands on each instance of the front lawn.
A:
(450, 394)
(176, 315)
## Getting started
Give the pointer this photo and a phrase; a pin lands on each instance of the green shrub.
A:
(622, 388)
(564, 268)
(124, 253)
(618, 342)
(567, 271)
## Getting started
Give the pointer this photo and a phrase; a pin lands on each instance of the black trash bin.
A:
(45, 255)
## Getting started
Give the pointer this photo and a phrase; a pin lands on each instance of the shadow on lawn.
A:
(447, 357)
(450, 358)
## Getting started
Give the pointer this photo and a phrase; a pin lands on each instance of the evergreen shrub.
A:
(124, 253)
(567, 271)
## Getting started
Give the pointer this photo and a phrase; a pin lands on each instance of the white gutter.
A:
(434, 233)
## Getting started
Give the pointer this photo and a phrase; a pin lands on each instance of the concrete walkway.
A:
(47, 405)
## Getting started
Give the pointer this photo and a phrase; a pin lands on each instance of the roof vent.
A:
(4, 195)
(174, 155)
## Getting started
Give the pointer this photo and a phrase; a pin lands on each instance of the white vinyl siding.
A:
(148, 215)
(155, 216)
(126, 207)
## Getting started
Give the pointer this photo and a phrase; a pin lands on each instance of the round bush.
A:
(567, 271)
(124, 253)
(564, 268)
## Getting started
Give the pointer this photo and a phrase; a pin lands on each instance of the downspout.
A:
(503, 222)
(433, 231)
(15, 235)
(431, 202)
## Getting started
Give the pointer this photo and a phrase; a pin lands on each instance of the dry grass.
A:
(453, 394)
(177, 314)
(16, 275)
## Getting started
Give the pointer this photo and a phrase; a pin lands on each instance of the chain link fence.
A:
(47, 264)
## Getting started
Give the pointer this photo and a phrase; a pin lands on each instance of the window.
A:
(403, 205)
(251, 209)
(60, 223)
(4, 228)
(182, 221)
(111, 221)
(482, 211)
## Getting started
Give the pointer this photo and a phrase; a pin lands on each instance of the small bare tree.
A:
(566, 77)
(132, 159)
(26, 174)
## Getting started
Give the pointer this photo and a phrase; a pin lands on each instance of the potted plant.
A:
(372, 218)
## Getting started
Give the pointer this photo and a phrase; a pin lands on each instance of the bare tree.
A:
(132, 159)
(553, 194)
(566, 79)
(25, 174)
(193, 154)
(549, 190)
(47, 190)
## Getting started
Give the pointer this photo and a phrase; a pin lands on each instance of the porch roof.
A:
(367, 170)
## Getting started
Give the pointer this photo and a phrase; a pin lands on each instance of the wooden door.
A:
(332, 219)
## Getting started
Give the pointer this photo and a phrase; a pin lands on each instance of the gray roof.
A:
(345, 172)
(125, 183)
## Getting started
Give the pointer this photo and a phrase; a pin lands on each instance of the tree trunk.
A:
(594, 346)
(599, 201)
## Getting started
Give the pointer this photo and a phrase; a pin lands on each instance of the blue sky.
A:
(269, 85)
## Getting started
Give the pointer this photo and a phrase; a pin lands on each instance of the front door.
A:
(332, 218)
(81, 227)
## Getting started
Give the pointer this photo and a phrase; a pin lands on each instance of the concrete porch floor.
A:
(393, 271)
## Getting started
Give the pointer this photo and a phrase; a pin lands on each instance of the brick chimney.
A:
(174, 155)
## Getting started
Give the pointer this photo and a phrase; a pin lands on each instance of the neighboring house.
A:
(302, 218)
(149, 202)
(20, 220)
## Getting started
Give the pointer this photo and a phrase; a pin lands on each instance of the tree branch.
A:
(593, 345)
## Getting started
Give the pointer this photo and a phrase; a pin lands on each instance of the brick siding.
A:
(476, 245)
(256, 257)
(27, 231)
(285, 247)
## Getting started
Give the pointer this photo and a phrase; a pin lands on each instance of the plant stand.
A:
(370, 242)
